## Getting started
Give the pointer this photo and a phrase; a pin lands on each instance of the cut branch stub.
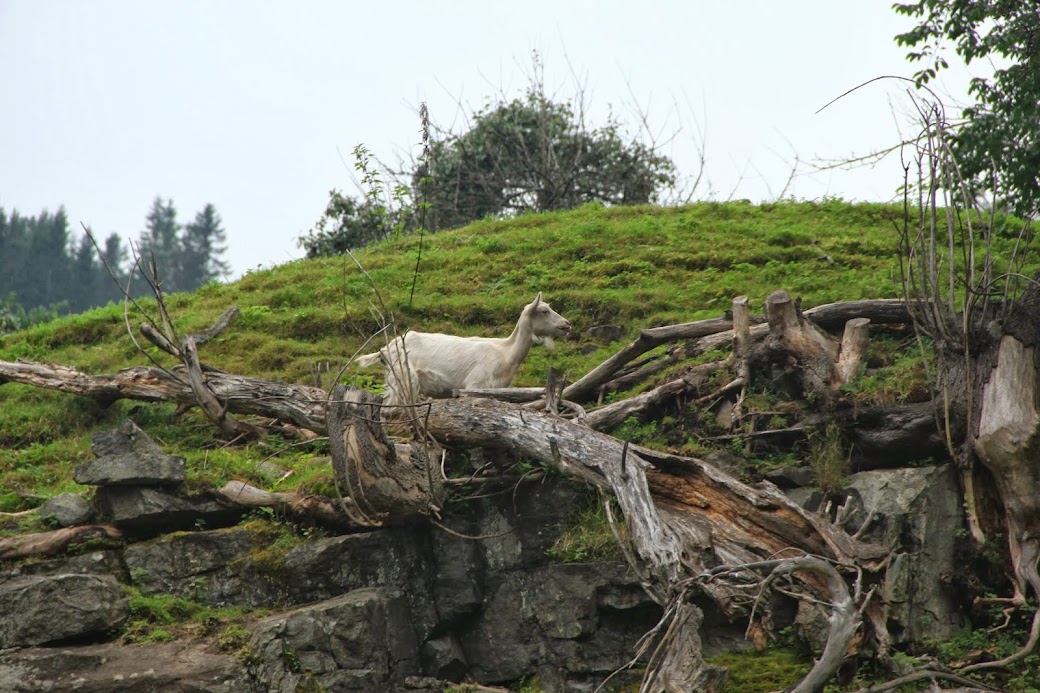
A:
(387, 483)
(853, 350)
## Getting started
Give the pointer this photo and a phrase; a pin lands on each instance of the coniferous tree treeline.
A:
(46, 270)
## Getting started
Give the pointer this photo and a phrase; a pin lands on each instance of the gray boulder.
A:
(917, 511)
(573, 624)
(791, 477)
(217, 567)
(41, 609)
(128, 456)
(106, 562)
(66, 510)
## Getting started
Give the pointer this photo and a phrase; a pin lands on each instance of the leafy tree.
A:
(1001, 131)
(348, 224)
(14, 317)
(532, 154)
(201, 248)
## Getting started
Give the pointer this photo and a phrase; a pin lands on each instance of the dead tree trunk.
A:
(1007, 441)
(300, 508)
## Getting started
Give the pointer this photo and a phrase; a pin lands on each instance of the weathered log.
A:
(631, 375)
(517, 395)
(883, 311)
(53, 542)
(302, 405)
(612, 415)
(305, 509)
(647, 340)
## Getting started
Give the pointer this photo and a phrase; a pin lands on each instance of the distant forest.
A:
(47, 270)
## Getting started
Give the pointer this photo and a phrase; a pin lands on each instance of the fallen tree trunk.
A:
(388, 483)
(299, 404)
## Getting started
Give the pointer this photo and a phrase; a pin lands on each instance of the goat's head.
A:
(546, 323)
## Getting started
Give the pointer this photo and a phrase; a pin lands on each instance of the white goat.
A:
(432, 364)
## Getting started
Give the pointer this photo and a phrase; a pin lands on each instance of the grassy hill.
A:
(635, 267)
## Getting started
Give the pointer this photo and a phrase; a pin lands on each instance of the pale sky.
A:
(257, 106)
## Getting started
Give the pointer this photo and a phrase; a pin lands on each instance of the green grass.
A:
(165, 618)
(758, 671)
(588, 536)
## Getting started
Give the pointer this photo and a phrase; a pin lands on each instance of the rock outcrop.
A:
(399, 608)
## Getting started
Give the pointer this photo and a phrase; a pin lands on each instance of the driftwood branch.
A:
(647, 340)
(610, 416)
(207, 401)
(53, 542)
(718, 332)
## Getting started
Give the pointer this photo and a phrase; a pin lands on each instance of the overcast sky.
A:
(257, 106)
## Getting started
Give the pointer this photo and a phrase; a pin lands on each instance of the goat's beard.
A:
(546, 341)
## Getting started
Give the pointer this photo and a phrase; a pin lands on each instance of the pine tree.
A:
(86, 277)
(115, 257)
(159, 241)
(201, 249)
(46, 281)
(13, 251)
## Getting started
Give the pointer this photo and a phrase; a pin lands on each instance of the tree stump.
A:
(387, 483)
(815, 359)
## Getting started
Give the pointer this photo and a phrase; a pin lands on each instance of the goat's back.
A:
(444, 362)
